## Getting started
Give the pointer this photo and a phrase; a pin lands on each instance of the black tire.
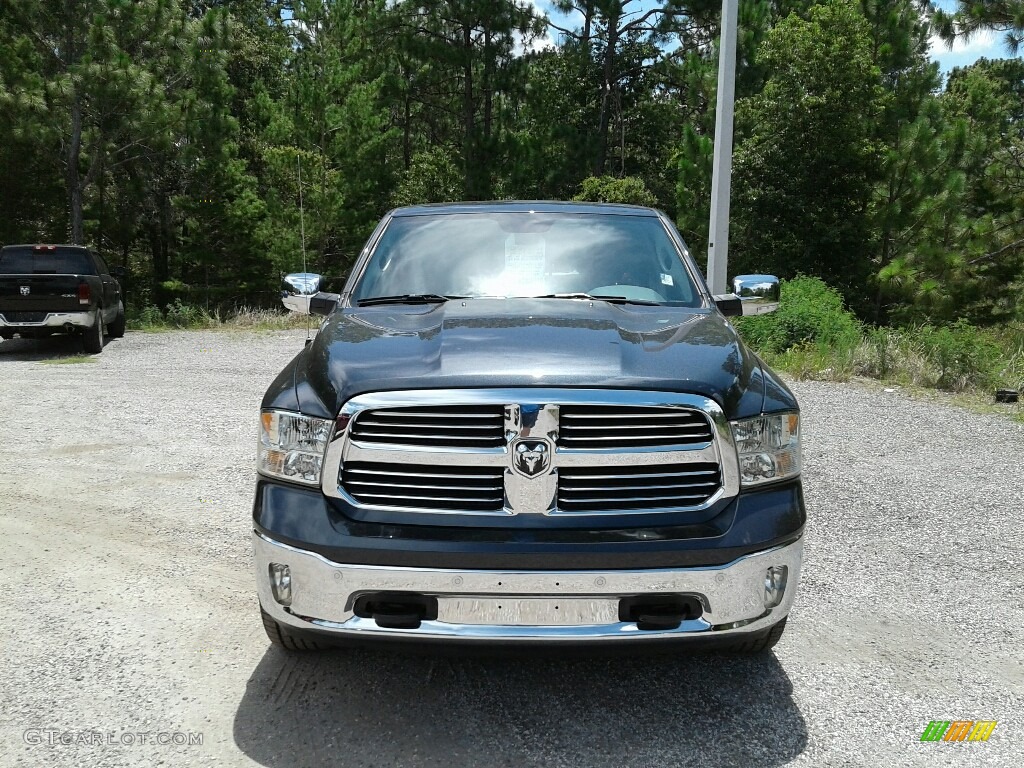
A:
(283, 638)
(116, 329)
(92, 339)
(760, 642)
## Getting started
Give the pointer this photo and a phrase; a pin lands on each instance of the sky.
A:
(989, 45)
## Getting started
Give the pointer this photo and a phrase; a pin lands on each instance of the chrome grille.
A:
(602, 426)
(430, 487)
(442, 426)
(653, 486)
(447, 453)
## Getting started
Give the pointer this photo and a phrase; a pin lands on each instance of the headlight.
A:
(768, 447)
(292, 446)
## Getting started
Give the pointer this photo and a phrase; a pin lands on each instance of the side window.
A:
(101, 265)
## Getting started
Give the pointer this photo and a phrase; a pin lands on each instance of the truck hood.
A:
(525, 342)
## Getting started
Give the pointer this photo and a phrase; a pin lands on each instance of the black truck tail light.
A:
(84, 293)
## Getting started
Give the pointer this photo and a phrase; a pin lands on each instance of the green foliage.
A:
(693, 189)
(432, 178)
(962, 355)
(813, 336)
(175, 315)
(179, 137)
(607, 189)
(805, 169)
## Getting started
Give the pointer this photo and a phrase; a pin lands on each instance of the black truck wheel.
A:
(116, 329)
(282, 637)
(92, 339)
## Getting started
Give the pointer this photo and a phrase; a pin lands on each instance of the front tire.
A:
(282, 637)
(92, 340)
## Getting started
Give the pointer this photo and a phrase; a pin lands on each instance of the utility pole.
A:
(721, 174)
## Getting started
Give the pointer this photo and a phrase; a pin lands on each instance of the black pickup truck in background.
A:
(49, 289)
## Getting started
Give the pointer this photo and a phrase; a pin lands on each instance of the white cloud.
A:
(540, 9)
(985, 43)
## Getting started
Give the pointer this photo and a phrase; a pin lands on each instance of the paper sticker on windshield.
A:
(666, 280)
(524, 255)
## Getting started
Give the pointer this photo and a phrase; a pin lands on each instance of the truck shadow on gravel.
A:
(48, 348)
(365, 707)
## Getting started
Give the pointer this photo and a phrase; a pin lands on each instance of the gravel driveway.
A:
(131, 617)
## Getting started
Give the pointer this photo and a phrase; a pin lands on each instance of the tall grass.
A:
(177, 316)
(813, 336)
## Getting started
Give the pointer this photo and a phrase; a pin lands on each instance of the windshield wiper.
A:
(609, 299)
(408, 298)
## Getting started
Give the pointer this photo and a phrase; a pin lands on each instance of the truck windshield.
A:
(519, 254)
(28, 261)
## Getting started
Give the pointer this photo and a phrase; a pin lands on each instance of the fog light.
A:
(281, 583)
(775, 585)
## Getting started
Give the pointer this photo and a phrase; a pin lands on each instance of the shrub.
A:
(810, 313)
(629, 190)
(188, 316)
(963, 356)
(813, 336)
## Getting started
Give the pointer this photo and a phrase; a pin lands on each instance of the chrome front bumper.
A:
(54, 320)
(560, 606)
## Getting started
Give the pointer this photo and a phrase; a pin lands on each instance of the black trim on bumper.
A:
(753, 521)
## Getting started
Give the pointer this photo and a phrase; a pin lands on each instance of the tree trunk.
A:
(606, 92)
(468, 140)
(407, 127)
(72, 178)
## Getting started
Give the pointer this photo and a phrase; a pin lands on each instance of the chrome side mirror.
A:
(297, 288)
(758, 294)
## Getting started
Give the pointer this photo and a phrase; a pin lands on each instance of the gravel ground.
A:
(124, 518)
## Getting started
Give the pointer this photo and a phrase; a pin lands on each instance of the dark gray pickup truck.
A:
(528, 423)
(49, 289)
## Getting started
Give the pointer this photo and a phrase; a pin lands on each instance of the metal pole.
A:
(721, 174)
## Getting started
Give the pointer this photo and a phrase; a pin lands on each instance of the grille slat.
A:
(606, 426)
(619, 427)
(406, 438)
(436, 487)
(440, 413)
(670, 414)
(399, 473)
(405, 425)
(611, 475)
(600, 489)
(435, 426)
(675, 499)
(460, 499)
(604, 488)
(470, 489)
